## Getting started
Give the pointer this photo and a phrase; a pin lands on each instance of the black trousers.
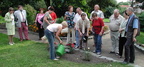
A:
(40, 30)
(129, 50)
(122, 41)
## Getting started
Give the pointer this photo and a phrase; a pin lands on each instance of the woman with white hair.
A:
(53, 30)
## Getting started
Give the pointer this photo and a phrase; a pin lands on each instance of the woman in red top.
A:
(53, 14)
(98, 25)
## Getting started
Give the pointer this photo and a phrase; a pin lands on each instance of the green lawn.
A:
(140, 38)
(106, 20)
(34, 54)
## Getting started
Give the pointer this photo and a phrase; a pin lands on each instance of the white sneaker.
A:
(10, 43)
(55, 59)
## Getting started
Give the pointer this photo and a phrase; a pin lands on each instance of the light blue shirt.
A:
(135, 22)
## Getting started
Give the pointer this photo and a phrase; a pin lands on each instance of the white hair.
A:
(97, 6)
(116, 11)
(130, 9)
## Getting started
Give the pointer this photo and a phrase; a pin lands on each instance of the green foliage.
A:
(140, 38)
(31, 13)
(124, 3)
(5, 4)
(2, 19)
(109, 11)
(105, 5)
(141, 19)
(59, 20)
(106, 20)
(39, 4)
(61, 6)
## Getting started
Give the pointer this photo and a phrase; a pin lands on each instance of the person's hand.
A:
(120, 30)
(134, 39)
(100, 33)
(80, 34)
(61, 42)
(55, 43)
(87, 35)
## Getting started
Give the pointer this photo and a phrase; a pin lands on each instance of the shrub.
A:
(59, 20)
(31, 14)
(141, 19)
(2, 19)
(39, 4)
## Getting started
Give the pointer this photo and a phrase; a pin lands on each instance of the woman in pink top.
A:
(39, 23)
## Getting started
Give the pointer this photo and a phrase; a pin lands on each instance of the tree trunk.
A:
(132, 3)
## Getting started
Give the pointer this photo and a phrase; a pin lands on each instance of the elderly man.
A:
(21, 22)
(97, 11)
(76, 19)
(114, 25)
(83, 26)
(132, 30)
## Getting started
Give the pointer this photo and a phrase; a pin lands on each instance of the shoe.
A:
(116, 53)
(55, 59)
(94, 51)
(111, 52)
(131, 62)
(120, 56)
(124, 62)
(98, 53)
(10, 43)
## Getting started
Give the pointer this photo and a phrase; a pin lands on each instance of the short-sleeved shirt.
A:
(53, 27)
(83, 25)
(135, 22)
(69, 19)
(97, 25)
(99, 14)
(38, 18)
(45, 24)
(54, 16)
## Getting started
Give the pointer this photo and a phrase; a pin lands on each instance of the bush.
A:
(31, 14)
(39, 4)
(59, 20)
(2, 19)
(141, 19)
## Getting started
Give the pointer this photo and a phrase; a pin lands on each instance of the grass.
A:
(140, 38)
(34, 54)
(106, 20)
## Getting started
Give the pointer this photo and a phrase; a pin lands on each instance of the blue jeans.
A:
(77, 38)
(50, 37)
(98, 42)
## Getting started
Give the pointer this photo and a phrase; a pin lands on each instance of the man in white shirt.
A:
(83, 26)
(115, 21)
(76, 19)
(21, 22)
(97, 11)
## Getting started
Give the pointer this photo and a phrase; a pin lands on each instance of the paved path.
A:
(106, 47)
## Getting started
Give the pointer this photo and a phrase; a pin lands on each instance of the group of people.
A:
(123, 30)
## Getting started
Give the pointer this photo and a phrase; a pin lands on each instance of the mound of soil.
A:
(78, 57)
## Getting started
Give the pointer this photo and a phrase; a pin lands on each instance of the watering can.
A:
(60, 50)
